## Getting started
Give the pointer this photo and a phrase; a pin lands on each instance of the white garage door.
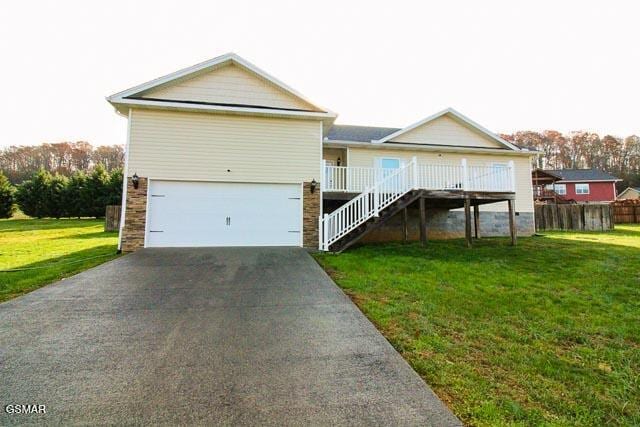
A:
(223, 214)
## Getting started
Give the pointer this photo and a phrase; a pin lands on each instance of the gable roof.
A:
(577, 175)
(358, 133)
(459, 117)
(133, 96)
(628, 189)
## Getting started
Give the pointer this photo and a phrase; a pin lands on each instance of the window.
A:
(582, 188)
(560, 189)
(388, 163)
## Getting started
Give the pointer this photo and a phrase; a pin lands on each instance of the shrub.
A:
(7, 201)
(80, 195)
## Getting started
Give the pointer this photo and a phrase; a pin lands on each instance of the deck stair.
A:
(376, 204)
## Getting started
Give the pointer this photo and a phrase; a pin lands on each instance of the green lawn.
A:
(50, 250)
(547, 332)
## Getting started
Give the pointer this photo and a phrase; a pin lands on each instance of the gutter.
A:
(432, 148)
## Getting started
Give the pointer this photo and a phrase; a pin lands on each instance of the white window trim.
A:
(556, 187)
(583, 184)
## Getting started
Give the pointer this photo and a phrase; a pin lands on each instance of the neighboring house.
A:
(630, 193)
(574, 185)
(543, 187)
(223, 154)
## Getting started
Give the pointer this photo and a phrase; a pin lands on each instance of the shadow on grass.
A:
(534, 249)
(18, 225)
(35, 275)
(87, 236)
(628, 230)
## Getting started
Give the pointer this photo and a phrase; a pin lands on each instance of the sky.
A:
(508, 65)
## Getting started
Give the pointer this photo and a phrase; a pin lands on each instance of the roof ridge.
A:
(367, 126)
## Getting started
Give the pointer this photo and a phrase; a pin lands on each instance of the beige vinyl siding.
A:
(524, 194)
(230, 84)
(333, 154)
(629, 194)
(446, 131)
(201, 146)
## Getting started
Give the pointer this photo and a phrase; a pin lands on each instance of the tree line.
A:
(19, 163)
(74, 179)
(57, 196)
(584, 150)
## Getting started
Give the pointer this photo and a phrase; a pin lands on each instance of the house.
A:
(629, 193)
(574, 185)
(224, 154)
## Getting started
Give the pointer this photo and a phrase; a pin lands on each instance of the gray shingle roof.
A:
(358, 133)
(581, 174)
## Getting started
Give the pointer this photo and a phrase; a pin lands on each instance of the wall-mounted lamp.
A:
(313, 185)
(135, 180)
(338, 161)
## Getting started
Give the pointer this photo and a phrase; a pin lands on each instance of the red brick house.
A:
(574, 185)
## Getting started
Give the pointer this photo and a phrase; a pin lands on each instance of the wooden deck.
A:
(450, 199)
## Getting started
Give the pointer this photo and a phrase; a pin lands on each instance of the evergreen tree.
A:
(32, 194)
(115, 188)
(74, 195)
(96, 192)
(55, 197)
(7, 201)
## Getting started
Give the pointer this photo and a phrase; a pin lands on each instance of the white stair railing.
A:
(394, 183)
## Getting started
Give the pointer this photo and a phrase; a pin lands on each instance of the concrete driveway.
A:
(205, 336)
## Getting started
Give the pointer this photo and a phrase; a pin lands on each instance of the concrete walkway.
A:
(205, 336)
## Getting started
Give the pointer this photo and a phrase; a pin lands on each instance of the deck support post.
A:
(405, 225)
(476, 220)
(512, 221)
(423, 222)
(467, 221)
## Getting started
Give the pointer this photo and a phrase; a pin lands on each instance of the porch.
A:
(436, 177)
(358, 200)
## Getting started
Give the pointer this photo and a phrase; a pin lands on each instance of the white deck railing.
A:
(429, 176)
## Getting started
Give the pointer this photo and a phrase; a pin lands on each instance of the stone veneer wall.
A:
(135, 216)
(445, 224)
(310, 215)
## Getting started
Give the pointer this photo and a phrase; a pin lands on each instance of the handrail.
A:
(393, 185)
(429, 177)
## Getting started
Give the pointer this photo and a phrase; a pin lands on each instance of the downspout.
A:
(125, 175)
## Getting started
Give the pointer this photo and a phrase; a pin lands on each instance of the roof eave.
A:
(571, 181)
(418, 147)
(125, 104)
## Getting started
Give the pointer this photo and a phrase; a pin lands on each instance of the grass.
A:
(51, 250)
(546, 333)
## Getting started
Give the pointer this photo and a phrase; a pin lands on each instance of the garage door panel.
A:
(223, 214)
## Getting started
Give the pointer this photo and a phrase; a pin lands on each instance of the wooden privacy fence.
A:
(626, 211)
(112, 218)
(587, 217)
